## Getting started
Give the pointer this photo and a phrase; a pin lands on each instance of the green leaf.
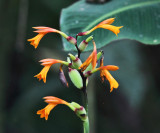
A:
(140, 18)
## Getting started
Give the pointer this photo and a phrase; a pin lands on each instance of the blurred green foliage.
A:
(140, 19)
(133, 107)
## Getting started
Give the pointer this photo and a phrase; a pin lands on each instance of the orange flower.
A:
(47, 63)
(92, 58)
(104, 73)
(52, 102)
(105, 25)
(42, 31)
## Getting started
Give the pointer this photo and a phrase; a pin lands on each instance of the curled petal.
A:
(43, 73)
(46, 111)
(107, 21)
(40, 27)
(50, 61)
(112, 81)
(104, 73)
(94, 57)
(112, 28)
(42, 30)
(56, 100)
(106, 25)
(86, 63)
(109, 68)
(52, 102)
(35, 40)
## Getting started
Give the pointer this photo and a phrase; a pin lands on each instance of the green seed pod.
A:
(83, 45)
(76, 61)
(76, 78)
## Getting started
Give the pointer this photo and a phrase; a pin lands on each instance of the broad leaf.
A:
(140, 18)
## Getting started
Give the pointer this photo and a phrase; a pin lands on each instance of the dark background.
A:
(133, 107)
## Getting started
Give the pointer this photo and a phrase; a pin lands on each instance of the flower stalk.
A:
(86, 126)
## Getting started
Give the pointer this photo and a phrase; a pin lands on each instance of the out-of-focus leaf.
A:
(140, 18)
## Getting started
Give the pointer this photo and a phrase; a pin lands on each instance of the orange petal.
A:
(86, 63)
(35, 40)
(55, 100)
(94, 57)
(112, 81)
(50, 61)
(43, 73)
(109, 68)
(42, 30)
(107, 21)
(112, 28)
(40, 27)
(46, 111)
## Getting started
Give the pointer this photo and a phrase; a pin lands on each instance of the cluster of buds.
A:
(78, 71)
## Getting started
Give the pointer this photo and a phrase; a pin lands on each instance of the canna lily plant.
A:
(78, 71)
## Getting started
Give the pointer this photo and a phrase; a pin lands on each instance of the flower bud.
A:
(62, 77)
(76, 61)
(72, 40)
(75, 78)
(68, 60)
(82, 34)
(99, 54)
(80, 111)
(83, 45)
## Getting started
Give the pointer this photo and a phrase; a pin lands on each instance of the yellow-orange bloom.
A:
(104, 73)
(43, 73)
(47, 63)
(41, 32)
(92, 58)
(52, 102)
(106, 25)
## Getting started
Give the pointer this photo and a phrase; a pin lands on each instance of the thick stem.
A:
(86, 126)
(86, 122)
(79, 52)
(84, 89)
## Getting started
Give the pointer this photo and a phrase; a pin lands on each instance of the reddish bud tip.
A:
(84, 41)
(76, 59)
(70, 64)
(71, 40)
(69, 69)
(81, 34)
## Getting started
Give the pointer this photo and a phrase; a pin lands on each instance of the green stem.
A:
(84, 89)
(86, 126)
(86, 122)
